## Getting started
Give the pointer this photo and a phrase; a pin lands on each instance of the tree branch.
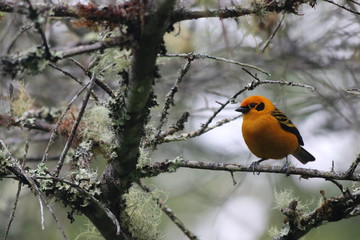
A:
(72, 134)
(30, 123)
(333, 209)
(130, 110)
(306, 173)
(170, 213)
(343, 7)
(291, 6)
(207, 56)
(106, 43)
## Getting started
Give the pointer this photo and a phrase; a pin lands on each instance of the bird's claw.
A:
(286, 168)
(254, 165)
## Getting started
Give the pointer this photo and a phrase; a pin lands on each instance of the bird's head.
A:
(256, 104)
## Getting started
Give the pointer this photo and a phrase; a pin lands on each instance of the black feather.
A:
(287, 125)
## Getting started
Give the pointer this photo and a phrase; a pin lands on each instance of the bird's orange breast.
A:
(266, 139)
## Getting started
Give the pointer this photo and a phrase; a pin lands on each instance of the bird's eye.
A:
(260, 107)
(252, 105)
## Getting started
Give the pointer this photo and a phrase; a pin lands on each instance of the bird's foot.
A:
(286, 167)
(256, 164)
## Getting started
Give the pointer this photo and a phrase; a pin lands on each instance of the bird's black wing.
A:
(286, 124)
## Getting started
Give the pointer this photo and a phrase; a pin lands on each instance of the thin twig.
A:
(18, 34)
(41, 213)
(33, 15)
(204, 127)
(354, 2)
(89, 196)
(353, 166)
(77, 63)
(12, 215)
(103, 44)
(170, 95)
(197, 133)
(354, 91)
(66, 74)
(278, 82)
(20, 170)
(170, 213)
(54, 132)
(74, 78)
(98, 82)
(169, 100)
(206, 56)
(74, 127)
(345, 191)
(343, 7)
(273, 34)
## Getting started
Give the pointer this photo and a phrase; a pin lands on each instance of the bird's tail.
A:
(304, 156)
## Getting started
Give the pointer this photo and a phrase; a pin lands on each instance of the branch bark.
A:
(170, 166)
(333, 209)
(130, 116)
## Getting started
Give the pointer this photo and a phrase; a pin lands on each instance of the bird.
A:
(269, 133)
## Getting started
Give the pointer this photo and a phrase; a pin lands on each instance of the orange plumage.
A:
(268, 133)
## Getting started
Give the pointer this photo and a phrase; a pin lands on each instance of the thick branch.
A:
(130, 113)
(30, 123)
(290, 6)
(331, 210)
(107, 43)
(125, 13)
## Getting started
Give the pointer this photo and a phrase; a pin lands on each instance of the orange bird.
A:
(268, 133)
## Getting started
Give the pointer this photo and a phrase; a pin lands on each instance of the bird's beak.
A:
(243, 109)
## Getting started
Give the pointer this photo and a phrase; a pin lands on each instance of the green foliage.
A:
(143, 214)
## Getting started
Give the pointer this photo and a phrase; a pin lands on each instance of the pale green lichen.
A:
(90, 232)
(175, 163)
(113, 61)
(143, 214)
(273, 232)
(98, 127)
(32, 61)
(20, 101)
(4, 162)
(286, 196)
(283, 200)
(144, 158)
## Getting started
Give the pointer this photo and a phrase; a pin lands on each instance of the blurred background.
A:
(319, 47)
